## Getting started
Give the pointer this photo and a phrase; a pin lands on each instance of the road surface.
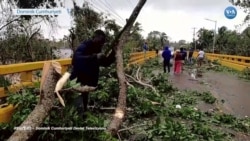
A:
(225, 87)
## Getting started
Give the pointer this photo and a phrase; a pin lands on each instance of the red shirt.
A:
(178, 56)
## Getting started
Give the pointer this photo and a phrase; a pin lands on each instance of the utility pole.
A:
(215, 23)
(194, 39)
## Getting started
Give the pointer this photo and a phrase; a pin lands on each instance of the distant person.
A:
(157, 51)
(177, 62)
(145, 49)
(200, 57)
(166, 54)
(183, 58)
(184, 54)
(190, 55)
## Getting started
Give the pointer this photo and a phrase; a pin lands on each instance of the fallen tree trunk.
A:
(47, 95)
(41, 111)
(119, 114)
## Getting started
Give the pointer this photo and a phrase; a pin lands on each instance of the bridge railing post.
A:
(26, 76)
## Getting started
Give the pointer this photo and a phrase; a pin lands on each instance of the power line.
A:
(129, 4)
(102, 9)
(107, 5)
(132, 5)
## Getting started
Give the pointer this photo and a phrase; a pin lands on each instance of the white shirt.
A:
(201, 54)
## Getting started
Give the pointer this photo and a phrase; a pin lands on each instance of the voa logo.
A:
(230, 12)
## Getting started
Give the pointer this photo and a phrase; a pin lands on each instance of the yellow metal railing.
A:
(235, 62)
(26, 70)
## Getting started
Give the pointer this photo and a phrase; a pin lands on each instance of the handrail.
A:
(26, 69)
(26, 76)
(30, 66)
(236, 62)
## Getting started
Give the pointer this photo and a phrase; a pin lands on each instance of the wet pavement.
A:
(232, 93)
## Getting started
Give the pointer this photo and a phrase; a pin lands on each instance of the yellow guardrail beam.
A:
(24, 67)
(235, 62)
(26, 77)
(141, 55)
(230, 56)
(143, 59)
(232, 65)
(227, 60)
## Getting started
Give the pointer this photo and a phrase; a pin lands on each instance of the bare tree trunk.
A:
(119, 115)
(41, 111)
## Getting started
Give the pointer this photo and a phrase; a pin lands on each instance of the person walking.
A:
(200, 57)
(183, 58)
(166, 54)
(177, 62)
(190, 56)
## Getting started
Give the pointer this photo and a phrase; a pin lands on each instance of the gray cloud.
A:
(182, 5)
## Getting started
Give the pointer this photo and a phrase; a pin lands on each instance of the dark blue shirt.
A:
(86, 65)
(166, 54)
(184, 54)
(145, 47)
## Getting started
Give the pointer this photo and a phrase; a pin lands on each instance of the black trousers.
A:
(166, 63)
(81, 103)
(85, 100)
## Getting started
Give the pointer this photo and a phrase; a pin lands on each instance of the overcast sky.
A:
(174, 17)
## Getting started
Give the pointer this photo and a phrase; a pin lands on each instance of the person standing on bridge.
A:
(184, 55)
(200, 57)
(166, 54)
(85, 65)
(145, 49)
(177, 62)
(183, 58)
(190, 55)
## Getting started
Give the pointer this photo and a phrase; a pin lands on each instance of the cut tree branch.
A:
(80, 89)
(119, 114)
(42, 109)
(141, 83)
(137, 73)
(132, 127)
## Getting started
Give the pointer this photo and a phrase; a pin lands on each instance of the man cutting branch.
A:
(86, 62)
